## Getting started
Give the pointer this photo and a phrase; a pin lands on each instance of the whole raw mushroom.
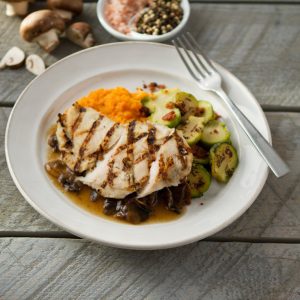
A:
(16, 7)
(80, 33)
(43, 27)
(67, 9)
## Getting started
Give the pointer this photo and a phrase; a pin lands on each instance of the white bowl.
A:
(143, 37)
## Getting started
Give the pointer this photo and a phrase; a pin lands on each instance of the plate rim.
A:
(123, 245)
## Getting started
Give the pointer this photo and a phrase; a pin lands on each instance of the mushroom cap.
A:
(82, 27)
(74, 6)
(40, 22)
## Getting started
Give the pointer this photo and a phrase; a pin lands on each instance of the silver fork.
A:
(208, 78)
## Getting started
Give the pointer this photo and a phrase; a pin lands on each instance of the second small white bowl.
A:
(143, 37)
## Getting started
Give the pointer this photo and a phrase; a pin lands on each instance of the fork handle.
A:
(274, 161)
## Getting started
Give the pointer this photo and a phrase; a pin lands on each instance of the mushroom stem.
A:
(89, 41)
(64, 14)
(17, 8)
(48, 40)
(80, 33)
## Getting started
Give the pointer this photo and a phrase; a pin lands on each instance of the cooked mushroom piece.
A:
(43, 27)
(65, 8)
(16, 7)
(14, 58)
(80, 33)
(35, 64)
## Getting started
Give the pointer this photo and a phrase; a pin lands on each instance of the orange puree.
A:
(118, 104)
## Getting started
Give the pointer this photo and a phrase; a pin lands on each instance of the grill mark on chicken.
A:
(151, 136)
(162, 167)
(68, 143)
(83, 146)
(139, 185)
(77, 122)
(110, 174)
(102, 148)
(130, 135)
(121, 148)
(152, 149)
(140, 136)
(90, 135)
(151, 145)
(126, 164)
(62, 119)
(170, 162)
(182, 149)
(141, 157)
(129, 158)
(143, 181)
(167, 138)
(109, 134)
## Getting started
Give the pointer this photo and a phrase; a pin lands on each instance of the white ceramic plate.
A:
(127, 64)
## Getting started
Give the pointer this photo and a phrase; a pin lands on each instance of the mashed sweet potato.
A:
(118, 104)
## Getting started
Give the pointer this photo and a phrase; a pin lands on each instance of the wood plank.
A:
(273, 215)
(13, 207)
(259, 43)
(77, 269)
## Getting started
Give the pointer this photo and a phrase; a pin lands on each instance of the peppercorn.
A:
(161, 17)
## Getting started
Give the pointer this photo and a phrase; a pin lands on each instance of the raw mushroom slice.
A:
(16, 7)
(80, 33)
(35, 64)
(14, 58)
(66, 9)
(43, 27)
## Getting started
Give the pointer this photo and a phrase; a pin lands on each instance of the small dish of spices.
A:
(143, 20)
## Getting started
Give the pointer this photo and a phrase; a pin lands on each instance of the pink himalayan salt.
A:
(119, 12)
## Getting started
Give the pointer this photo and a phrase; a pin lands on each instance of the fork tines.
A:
(198, 64)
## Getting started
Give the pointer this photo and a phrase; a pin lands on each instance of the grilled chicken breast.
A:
(119, 159)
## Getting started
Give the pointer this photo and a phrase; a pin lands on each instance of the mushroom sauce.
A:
(83, 200)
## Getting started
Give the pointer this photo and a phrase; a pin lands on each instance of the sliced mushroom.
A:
(43, 27)
(16, 7)
(65, 8)
(35, 64)
(14, 58)
(80, 33)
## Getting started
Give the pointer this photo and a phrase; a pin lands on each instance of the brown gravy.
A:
(82, 199)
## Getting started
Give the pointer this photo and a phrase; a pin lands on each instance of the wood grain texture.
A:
(15, 213)
(259, 43)
(275, 213)
(77, 269)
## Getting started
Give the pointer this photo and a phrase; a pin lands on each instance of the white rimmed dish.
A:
(143, 37)
(124, 64)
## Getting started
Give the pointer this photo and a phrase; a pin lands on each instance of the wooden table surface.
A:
(256, 257)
